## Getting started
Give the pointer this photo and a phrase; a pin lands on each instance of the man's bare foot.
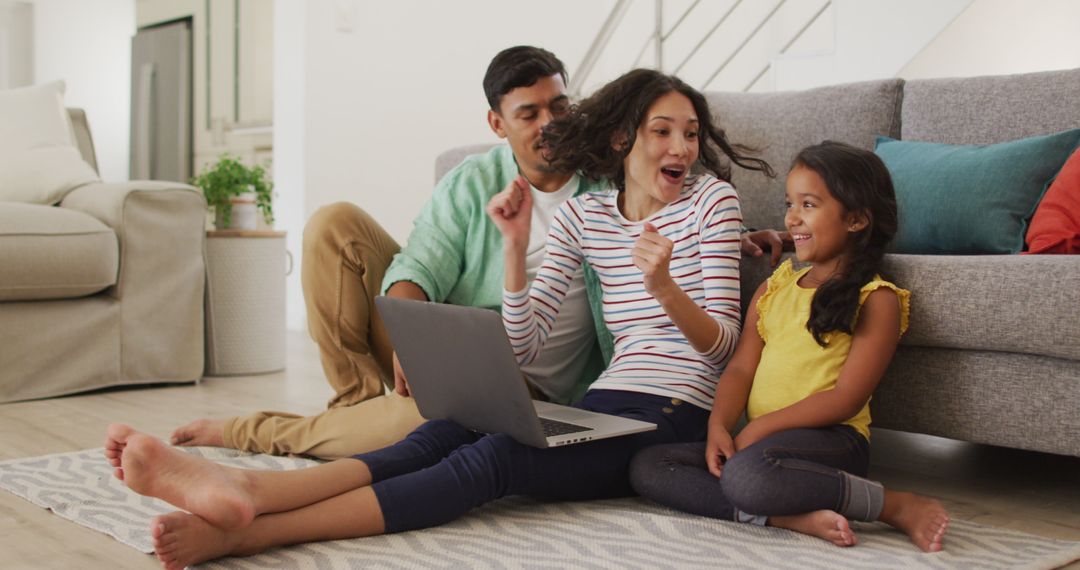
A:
(829, 525)
(182, 540)
(200, 432)
(221, 495)
(115, 440)
(924, 520)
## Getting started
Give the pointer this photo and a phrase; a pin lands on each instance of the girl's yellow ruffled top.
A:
(793, 365)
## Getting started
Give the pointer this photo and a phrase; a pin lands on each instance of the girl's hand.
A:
(511, 210)
(652, 255)
(718, 449)
(749, 435)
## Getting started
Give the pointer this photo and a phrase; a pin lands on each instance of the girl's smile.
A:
(819, 224)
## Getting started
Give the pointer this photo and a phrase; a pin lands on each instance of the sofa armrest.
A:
(161, 230)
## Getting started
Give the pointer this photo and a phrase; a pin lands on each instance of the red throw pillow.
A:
(1055, 227)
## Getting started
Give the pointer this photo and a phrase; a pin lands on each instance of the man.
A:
(453, 255)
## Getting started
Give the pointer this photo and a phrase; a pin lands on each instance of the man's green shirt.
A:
(455, 251)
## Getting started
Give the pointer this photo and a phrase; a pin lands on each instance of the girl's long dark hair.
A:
(583, 140)
(859, 180)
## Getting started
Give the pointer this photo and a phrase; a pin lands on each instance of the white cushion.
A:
(39, 162)
(54, 253)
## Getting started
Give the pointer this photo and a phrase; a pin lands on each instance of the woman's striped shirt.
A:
(651, 354)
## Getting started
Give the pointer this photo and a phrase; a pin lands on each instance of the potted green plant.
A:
(230, 183)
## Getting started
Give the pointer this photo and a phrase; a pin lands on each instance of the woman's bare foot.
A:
(200, 432)
(829, 525)
(182, 540)
(222, 496)
(115, 440)
(924, 520)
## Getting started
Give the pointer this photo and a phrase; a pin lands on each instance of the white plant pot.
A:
(243, 213)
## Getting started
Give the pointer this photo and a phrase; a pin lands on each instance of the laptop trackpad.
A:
(563, 413)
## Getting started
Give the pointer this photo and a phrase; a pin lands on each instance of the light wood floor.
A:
(1032, 492)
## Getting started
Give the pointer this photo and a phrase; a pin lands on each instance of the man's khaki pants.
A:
(346, 254)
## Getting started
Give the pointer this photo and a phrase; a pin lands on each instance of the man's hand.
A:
(401, 385)
(754, 244)
(652, 255)
(511, 210)
(718, 449)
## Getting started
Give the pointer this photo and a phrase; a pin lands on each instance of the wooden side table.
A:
(245, 302)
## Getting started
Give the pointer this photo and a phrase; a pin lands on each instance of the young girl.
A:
(666, 246)
(817, 342)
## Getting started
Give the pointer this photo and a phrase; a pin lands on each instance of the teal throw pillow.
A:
(977, 199)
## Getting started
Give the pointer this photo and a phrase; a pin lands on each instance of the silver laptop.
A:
(461, 367)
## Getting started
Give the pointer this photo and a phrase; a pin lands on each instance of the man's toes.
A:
(180, 435)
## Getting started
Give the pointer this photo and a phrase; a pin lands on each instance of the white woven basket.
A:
(245, 304)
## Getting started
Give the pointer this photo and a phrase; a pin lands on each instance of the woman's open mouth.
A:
(673, 174)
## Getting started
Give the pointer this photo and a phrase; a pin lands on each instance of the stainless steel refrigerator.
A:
(161, 115)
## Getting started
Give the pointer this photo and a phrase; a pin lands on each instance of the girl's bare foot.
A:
(829, 525)
(182, 540)
(924, 520)
(200, 432)
(222, 496)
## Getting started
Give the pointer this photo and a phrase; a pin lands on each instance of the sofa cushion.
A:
(1007, 303)
(39, 161)
(971, 199)
(54, 253)
(781, 124)
(987, 110)
(1055, 228)
(447, 160)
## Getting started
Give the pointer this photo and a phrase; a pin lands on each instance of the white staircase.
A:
(763, 45)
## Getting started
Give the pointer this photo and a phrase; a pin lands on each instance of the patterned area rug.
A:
(523, 533)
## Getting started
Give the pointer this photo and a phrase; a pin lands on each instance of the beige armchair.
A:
(105, 289)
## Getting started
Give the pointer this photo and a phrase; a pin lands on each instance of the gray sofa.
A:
(993, 350)
(105, 289)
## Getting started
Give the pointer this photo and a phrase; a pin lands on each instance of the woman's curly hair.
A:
(583, 140)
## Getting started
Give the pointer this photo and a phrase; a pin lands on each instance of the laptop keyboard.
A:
(554, 427)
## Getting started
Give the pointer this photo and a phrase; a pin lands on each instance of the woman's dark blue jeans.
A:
(442, 470)
(790, 472)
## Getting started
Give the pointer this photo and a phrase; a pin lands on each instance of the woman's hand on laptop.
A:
(401, 385)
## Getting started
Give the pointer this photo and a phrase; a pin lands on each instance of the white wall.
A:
(16, 44)
(87, 43)
(290, 57)
(369, 107)
(994, 37)
(874, 39)
(383, 100)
